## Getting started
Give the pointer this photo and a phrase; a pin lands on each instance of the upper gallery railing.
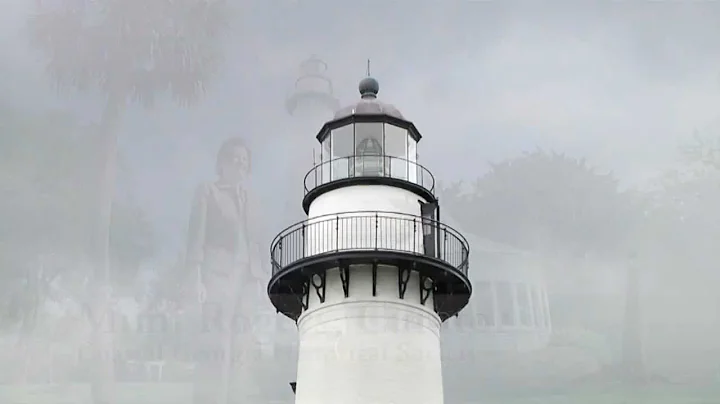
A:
(369, 231)
(369, 166)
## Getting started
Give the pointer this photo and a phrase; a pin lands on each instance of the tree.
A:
(685, 201)
(544, 202)
(38, 203)
(45, 195)
(126, 50)
(559, 208)
(703, 150)
(687, 204)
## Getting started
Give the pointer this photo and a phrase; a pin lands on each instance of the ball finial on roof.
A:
(369, 87)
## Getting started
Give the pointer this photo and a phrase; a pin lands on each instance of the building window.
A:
(538, 306)
(521, 291)
(485, 309)
(506, 306)
(546, 308)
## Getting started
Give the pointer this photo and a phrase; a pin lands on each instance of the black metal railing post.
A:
(280, 251)
(415, 249)
(304, 243)
(377, 225)
(337, 233)
(444, 252)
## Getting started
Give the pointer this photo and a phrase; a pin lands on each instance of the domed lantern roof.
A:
(369, 110)
(369, 103)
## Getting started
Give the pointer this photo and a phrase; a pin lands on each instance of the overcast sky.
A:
(623, 85)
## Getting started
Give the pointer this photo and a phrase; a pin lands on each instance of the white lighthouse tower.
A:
(372, 273)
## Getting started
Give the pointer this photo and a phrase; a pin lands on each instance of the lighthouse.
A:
(372, 273)
(313, 93)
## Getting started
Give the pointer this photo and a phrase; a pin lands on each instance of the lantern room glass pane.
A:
(371, 165)
(368, 138)
(396, 141)
(396, 148)
(412, 149)
(342, 142)
(325, 149)
(341, 146)
(325, 155)
(369, 149)
(414, 172)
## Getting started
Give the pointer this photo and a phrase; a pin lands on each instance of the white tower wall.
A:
(365, 217)
(365, 349)
(381, 198)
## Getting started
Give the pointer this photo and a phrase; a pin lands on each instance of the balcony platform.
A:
(411, 243)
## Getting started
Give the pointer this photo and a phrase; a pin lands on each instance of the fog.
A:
(576, 149)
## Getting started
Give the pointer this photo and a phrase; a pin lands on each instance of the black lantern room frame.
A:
(369, 145)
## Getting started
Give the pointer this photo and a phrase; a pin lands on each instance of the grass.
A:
(609, 395)
(169, 393)
(126, 393)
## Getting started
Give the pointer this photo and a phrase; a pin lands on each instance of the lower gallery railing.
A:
(368, 231)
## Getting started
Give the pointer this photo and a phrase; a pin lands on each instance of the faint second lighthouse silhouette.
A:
(311, 103)
(313, 97)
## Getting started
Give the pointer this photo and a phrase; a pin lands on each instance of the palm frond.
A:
(141, 48)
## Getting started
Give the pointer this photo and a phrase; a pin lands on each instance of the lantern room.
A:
(369, 139)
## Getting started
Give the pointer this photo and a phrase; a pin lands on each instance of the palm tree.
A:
(125, 51)
(41, 206)
(44, 200)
